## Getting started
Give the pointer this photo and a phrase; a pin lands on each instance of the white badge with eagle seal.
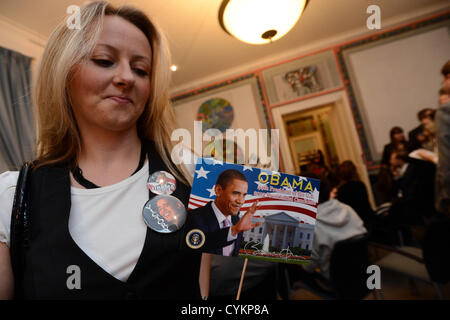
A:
(195, 239)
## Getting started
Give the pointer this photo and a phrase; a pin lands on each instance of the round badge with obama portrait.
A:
(164, 214)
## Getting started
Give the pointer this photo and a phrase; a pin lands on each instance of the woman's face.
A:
(399, 137)
(110, 90)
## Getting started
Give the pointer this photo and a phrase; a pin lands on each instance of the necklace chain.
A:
(78, 174)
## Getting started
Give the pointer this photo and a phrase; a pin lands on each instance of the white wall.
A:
(395, 80)
(23, 40)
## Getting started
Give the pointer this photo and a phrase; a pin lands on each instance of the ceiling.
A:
(203, 52)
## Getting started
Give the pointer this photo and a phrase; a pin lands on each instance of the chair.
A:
(348, 266)
(385, 231)
(429, 263)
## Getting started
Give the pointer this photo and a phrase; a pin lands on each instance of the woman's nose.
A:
(124, 76)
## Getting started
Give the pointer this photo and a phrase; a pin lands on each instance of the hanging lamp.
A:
(260, 21)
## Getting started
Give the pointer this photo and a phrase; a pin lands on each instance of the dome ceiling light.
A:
(260, 21)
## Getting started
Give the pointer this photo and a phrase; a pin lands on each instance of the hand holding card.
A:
(245, 223)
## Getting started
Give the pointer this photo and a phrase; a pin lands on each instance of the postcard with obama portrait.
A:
(237, 210)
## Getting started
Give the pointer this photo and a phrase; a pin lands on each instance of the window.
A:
(301, 235)
(308, 235)
(260, 230)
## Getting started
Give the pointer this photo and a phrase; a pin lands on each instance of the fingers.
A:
(253, 208)
(254, 225)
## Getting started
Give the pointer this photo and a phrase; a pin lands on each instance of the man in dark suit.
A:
(413, 189)
(219, 219)
(416, 136)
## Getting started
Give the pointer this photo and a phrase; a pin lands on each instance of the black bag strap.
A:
(19, 230)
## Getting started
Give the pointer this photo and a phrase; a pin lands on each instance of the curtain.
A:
(16, 110)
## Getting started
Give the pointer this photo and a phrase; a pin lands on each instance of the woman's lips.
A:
(122, 100)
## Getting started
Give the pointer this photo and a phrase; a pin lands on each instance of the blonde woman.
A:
(103, 126)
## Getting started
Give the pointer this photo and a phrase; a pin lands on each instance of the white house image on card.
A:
(283, 230)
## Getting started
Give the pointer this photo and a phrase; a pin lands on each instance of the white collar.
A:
(403, 169)
(219, 215)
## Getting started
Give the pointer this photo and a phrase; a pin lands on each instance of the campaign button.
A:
(162, 183)
(195, 239)
(164, 214)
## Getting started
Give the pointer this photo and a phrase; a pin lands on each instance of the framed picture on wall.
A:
(301, 77)
(233, 104)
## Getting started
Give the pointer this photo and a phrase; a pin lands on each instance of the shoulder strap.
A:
(19, 227)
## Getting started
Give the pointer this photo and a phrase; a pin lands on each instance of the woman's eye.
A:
(102, 62)
(108, 63)
(141, 72)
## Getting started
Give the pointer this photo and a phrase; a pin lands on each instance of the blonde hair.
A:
(58, 138)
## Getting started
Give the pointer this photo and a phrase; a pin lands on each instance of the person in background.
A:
(442, 181)
(335, 221)
(318, 167)
(383, 185)
(317, 164)
(397, 144)
(427, 150)
(352, 191)
(416, 136)
(429, 132)
(413, 189)
(444, 97)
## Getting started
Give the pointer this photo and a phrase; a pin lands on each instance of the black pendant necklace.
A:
(78, 174)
